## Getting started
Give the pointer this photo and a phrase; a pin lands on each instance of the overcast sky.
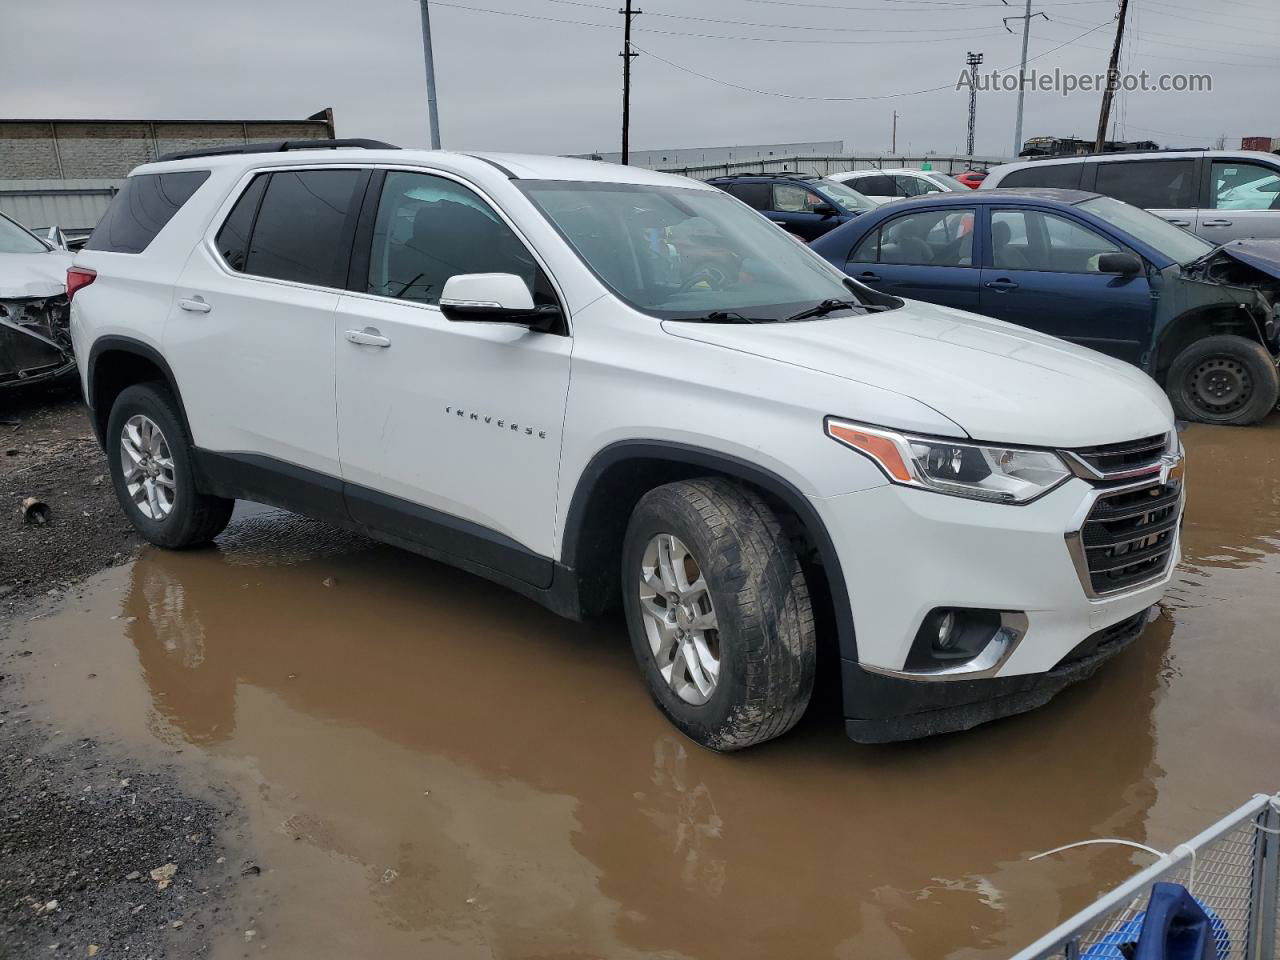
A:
(530, 83)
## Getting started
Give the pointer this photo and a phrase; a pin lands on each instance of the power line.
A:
(883, 96)
(778, 26)
(699, 36)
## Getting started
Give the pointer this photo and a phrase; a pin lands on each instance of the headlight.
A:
(999, 474)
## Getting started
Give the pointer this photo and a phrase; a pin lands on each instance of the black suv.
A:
(807, 206)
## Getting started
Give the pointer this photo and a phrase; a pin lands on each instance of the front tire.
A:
(718, 613)
(1223, 379)
(149, 455)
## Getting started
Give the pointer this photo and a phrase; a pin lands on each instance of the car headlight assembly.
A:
(976, 471)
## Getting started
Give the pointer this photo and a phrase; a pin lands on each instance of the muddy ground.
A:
(423, 764)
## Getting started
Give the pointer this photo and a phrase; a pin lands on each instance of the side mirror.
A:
(1123, 263)
(824, 210)
(494, 298)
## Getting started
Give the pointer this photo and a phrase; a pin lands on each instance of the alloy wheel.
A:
(147, 464)
(679, 619)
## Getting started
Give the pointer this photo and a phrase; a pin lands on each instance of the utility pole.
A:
(627, 56)
(1113, 79)
(893, 148)
(974, 60)
(1022, 70)
(432, 116)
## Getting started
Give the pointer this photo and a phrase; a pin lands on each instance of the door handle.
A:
(1178, 223)
(194, 305)
(868, 277)
(1002, 285)
(1215, 223)
(368, 337)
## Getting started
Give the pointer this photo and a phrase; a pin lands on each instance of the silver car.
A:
(1219, 194)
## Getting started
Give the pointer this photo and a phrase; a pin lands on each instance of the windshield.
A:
(1174, 242)
(682, 253)
(845, 195)
(950, 182)
(14, 239)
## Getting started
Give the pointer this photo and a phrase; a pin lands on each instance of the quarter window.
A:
(302, 229)
(1030, 240)
(233, 238)
(140, 210)
(1150, 184)
(429, 229)
(1245, 186)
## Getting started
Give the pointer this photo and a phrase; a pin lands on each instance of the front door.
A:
(1043, 274)
(794, 207)
(449, 432)
(1244, 198)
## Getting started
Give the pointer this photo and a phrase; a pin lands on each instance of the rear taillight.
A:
(78, 277)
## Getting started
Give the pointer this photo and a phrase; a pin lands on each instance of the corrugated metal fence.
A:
(74, 205)
(822, 166)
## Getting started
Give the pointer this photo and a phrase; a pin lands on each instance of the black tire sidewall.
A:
(153, 401)
(1252, 355)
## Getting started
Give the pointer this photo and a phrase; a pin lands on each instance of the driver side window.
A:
(429, 228)
(791, 198)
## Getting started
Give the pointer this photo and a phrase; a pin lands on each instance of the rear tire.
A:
(748, 678)
(1223, 379)
(158, 492)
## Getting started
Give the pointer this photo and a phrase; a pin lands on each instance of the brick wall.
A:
(30, 150)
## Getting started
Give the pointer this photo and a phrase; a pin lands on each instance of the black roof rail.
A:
(781, 173)
(1111, 153)
(279, 146)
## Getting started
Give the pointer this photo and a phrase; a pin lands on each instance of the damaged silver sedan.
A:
(35, 336)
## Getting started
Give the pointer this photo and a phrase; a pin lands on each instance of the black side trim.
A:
(461, 543)
(731, 466)
(495, 164)
(277, 146)
(138, 348)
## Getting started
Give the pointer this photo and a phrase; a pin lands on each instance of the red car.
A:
(971, 178)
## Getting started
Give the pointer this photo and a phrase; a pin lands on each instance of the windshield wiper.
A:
(822, 309)
(725, 316)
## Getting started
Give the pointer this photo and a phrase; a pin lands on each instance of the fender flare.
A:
(687, 455)
(119, 344)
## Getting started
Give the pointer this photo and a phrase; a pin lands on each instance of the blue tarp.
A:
(1175, 926)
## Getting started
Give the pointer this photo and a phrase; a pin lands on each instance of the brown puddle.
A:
(432, 766)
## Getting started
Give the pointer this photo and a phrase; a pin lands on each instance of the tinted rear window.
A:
(1062, 176)
(141, 209)
(756, 195)
(301, 232)
(1150, 184)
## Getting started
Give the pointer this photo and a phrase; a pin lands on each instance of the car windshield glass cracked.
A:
(680, 253)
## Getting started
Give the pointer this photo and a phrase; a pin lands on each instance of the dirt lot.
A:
(424, 764)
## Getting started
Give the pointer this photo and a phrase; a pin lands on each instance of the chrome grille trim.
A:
(1121, 461)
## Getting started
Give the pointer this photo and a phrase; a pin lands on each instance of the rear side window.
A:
(1150, 184)
(141, 209)
(301, 230)
(755, 195)
(878, 185)
(233, 238)
(1061, 176)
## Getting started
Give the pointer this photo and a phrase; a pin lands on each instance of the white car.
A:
(886, 185)
(603, 386)
(35, 340)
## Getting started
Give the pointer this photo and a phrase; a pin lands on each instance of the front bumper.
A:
(905, 552)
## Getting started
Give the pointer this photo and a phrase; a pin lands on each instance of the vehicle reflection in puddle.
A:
(429, 761)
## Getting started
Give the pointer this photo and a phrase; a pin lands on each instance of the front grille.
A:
(1119, 459)
(1128, 536)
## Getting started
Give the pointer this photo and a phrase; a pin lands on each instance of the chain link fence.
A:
(1232, 869)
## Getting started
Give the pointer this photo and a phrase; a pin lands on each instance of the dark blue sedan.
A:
(1092, 270)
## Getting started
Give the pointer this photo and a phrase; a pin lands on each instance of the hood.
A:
(1261, 255)
(24, 275)
(997, 381)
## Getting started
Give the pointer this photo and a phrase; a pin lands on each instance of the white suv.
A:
(602, 386)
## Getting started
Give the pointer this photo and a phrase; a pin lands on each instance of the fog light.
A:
(945, 626)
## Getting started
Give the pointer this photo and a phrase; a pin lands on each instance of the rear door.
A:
(925, 255)
(250, 339)
(1042, 273)
(447, 427)
(1243, 201)
(1167, 188)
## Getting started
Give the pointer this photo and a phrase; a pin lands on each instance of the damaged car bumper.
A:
(35, 340)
